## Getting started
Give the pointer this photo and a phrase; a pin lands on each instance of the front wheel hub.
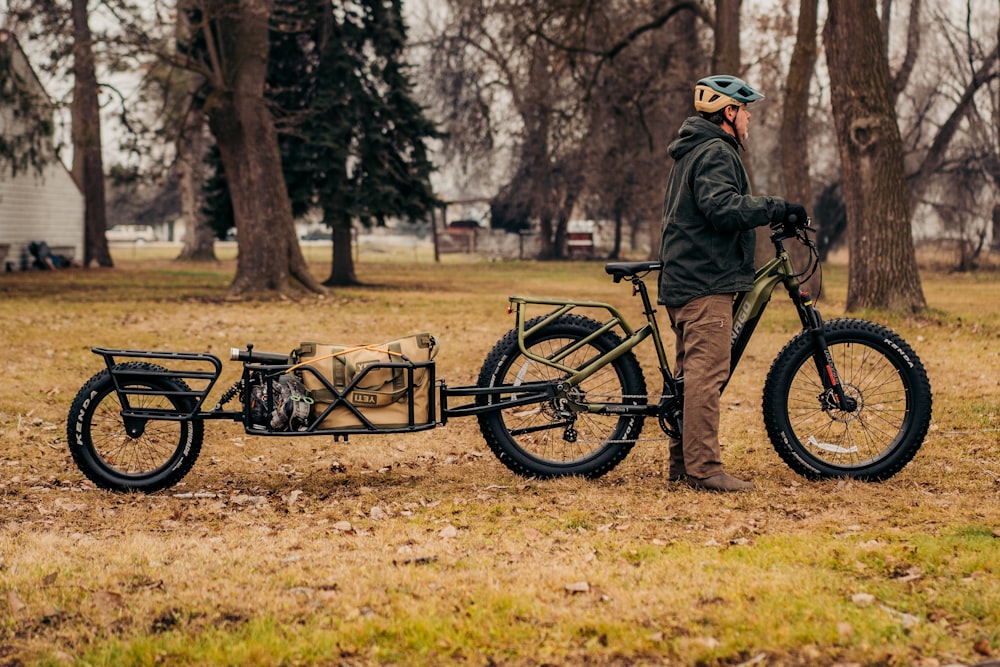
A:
(848, 412)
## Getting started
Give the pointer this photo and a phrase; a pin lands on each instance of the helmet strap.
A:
(736, 134)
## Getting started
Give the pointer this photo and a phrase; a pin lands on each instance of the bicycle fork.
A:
(834, 397)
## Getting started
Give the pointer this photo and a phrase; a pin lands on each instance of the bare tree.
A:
(199, 237)
(236, 39)
(726, 57)
(994, 168)
(980, 69)
(192, 142)
(640, 100)
(88, 165)
(794, 133)
(550, 64)
(883, 266)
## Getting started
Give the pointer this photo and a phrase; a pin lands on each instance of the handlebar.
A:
(251, 355)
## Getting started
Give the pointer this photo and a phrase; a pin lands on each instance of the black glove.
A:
(795, 218)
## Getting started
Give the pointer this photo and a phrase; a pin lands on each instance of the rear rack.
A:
(201, 369)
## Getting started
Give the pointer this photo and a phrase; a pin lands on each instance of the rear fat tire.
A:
(601, 441)
(881, 372)
(112, 459)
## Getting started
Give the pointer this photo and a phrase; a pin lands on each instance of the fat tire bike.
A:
(563, 393)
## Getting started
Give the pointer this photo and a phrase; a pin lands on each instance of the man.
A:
(707, 249)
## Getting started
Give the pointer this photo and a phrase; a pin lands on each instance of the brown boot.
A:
(721, 483)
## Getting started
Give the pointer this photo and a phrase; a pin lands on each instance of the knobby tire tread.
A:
(86, 455)
(880, 344)
(602, 459)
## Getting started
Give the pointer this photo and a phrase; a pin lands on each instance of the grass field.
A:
(422, 549)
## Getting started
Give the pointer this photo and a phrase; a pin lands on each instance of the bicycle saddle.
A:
(621, 270)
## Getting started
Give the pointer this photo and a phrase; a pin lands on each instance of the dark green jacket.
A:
(707, 231)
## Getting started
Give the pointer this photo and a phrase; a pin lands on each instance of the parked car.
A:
(317, 235)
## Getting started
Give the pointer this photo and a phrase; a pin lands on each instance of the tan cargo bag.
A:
(383, 394)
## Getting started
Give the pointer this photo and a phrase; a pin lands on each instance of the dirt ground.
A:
(423, 549)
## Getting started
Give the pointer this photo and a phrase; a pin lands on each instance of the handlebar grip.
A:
(250, 354)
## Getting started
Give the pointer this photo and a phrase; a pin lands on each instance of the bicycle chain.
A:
(645, 397)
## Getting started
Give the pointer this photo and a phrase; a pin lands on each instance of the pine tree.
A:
(366, 134)
(352, 137)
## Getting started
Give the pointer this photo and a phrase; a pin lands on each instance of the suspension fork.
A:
(812, 321)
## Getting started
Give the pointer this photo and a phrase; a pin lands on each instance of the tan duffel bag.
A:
(383, 394)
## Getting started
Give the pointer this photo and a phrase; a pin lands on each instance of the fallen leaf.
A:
(863, 599)
(908, 620)
(912, 574)
(108, 600)
(50, 578)
(15, 603)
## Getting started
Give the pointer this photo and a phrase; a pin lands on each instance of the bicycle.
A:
(564, 394)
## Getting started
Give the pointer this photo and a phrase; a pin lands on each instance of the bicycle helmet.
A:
(717, 92)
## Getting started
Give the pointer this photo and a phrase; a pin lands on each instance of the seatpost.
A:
(639, 287)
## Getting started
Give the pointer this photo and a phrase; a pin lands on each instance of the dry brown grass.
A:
(423, 549)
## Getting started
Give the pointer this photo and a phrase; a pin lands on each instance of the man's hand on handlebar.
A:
(795, 218)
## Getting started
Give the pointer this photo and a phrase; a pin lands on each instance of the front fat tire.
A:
(533, 440)
(109, 457)
(881, 372)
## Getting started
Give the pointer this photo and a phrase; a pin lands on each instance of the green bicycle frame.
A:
(748, 307)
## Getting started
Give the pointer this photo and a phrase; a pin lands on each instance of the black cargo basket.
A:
(256, 374)
(199, 371)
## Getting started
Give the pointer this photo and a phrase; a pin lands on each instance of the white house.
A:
(47, 207)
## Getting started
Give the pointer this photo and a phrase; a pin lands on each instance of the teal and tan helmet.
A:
(717, 92)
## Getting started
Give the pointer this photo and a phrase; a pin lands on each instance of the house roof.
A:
(21, 65)
(8, 38)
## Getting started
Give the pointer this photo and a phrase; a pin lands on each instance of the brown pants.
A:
(703, 328)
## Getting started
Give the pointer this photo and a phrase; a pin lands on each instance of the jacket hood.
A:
(694, 132)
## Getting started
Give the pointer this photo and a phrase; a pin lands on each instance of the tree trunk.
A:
(616, 246)
(342, 269)
(238, 115)
(199, 238)
(795, 124)
(995, 246)
(726, 56)
(882, 267)
(88, 166)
